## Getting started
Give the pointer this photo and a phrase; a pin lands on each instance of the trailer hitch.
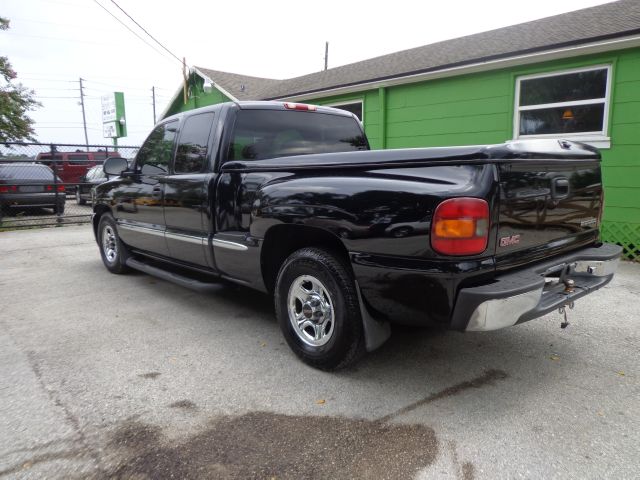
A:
(563, 311)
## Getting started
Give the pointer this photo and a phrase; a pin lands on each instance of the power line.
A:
(61, 39)
(39, 96)
(128, 28)
(75, 26)
(145, 31)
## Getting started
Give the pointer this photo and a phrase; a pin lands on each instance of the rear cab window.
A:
(263, 134)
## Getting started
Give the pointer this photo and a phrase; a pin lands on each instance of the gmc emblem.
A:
(511, 240)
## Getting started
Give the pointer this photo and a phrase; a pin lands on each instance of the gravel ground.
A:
(105, 376)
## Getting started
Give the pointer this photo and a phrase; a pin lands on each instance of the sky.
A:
(52, 43)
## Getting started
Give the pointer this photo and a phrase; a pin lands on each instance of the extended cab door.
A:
(186, 197)
(139, 210)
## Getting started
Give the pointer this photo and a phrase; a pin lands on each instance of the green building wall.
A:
(479, 109)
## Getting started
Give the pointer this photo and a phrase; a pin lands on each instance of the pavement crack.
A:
(487, 378)
(69, 416)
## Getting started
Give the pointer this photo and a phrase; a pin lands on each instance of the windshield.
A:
(262, 134)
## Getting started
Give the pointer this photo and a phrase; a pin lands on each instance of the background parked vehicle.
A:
(30, 185)
(94, 176)
(72, 166)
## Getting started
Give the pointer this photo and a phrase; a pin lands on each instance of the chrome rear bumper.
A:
(535, 291)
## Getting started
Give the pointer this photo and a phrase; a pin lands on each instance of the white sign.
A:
(109, 130)
(108, 109)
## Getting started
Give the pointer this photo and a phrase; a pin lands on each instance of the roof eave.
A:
(478, 65)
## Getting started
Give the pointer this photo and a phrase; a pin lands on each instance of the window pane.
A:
(192, 148)
(564, 88)
(78, 159)
(25, 172)
(584, 118)
(355, 108)
(155, 153)
(261, 134)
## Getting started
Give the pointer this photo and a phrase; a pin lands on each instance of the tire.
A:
(318, 310)
(58, 209)
(79, 199)
(114, 253)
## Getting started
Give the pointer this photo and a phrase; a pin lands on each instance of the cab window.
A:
(155, 154)
(191, 154)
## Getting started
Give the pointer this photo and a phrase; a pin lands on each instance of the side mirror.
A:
(115, 166)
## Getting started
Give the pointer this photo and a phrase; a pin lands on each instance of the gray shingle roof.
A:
(611, 20)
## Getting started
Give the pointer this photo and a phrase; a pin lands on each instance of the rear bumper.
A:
(535, 291)
(32, 199)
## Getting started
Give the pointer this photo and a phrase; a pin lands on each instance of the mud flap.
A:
(375, 332)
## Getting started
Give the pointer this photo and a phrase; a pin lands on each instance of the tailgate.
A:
(546, 207)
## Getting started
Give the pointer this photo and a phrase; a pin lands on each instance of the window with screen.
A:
(191, 154)
(570, 103)
(262, 134)
(155, 154)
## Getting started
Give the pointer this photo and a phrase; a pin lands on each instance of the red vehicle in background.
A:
(72, 166)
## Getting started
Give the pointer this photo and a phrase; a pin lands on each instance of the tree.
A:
(15, 101)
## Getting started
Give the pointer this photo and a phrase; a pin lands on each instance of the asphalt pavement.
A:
(106, 376)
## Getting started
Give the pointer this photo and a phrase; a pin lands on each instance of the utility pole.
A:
(84, 118)
(153, 97)
(326, 54)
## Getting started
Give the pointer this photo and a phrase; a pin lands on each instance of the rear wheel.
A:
(58, 208)
(79, 199)
(114, 253)
(318, 310)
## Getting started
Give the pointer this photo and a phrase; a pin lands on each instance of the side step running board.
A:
(176, 278)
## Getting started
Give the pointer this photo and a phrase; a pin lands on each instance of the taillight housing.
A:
(8, 188)
(460, 226)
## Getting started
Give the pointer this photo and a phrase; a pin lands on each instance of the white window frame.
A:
(598, 139)
(348, 102)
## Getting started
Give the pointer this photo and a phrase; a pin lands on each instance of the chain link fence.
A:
(50, 184)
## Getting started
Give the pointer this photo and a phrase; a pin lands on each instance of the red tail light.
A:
(61, 188)
(50, 188)
(300, 106)
(460, 226)
(8, 188)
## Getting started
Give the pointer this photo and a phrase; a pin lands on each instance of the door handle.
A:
(156, 194)
(560, 188)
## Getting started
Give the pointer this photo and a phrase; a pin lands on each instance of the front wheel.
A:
(114, 253)
(318, 310)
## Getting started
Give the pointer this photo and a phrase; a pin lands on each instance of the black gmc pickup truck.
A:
(288, 199)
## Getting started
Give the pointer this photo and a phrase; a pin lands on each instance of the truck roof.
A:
(259, 105)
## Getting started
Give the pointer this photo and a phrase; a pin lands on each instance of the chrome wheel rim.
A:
(78, 194)
(109, 243)
(311, 310)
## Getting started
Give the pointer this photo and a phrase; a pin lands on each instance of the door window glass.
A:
(154, 155)
(191, 154)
